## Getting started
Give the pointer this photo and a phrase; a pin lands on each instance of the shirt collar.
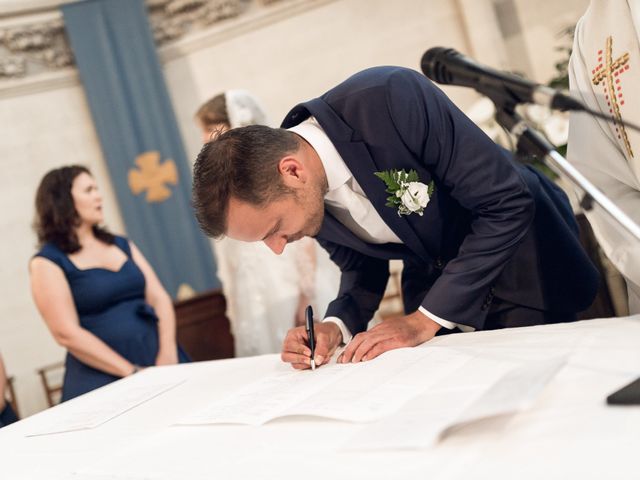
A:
(336, 170)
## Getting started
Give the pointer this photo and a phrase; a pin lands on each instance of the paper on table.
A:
(354, 392)
(427, 417)
(84, 475)
(100, 409)
(382, 386)
(514, 392)
(98, 475)
(267, 398)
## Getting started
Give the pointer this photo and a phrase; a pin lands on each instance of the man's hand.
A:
(295, 349)
(407, 331)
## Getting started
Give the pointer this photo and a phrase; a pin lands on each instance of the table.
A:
(568, 433)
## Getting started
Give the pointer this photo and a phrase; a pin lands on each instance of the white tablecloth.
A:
(570, 432)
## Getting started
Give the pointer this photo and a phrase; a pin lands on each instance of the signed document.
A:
(371, 391)
(353, 392)
(409, 397)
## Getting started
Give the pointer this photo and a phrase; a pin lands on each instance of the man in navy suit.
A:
(486, 243)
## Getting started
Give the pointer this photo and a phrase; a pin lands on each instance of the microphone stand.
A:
(530, 142)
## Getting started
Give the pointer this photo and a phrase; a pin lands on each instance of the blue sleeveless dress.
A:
(111, 305)
(7, 416)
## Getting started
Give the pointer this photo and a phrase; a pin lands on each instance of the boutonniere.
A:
(408, 195)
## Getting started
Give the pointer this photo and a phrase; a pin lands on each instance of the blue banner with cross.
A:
(132, 112)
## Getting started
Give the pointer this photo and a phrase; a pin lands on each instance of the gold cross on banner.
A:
(152, 177)
(608, 73)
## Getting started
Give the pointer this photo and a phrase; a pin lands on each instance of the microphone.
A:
(449, 67)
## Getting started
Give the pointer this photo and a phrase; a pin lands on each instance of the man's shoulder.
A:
(364, 91)
(369, 79)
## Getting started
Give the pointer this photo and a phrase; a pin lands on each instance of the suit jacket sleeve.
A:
(479, 176)
(362, 285)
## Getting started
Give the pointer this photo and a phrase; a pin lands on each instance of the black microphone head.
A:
(432, 64)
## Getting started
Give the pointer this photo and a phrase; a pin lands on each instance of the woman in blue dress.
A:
(7, 415)
(98, 295)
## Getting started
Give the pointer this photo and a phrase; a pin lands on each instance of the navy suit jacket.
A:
(492, 227)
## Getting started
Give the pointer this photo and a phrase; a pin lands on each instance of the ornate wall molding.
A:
(35, 54)
(34, 48)
(173, 19)
(257, 15)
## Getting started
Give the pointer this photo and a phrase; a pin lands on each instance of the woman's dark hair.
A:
(56, 215)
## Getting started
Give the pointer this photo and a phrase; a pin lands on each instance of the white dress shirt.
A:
(346, 201)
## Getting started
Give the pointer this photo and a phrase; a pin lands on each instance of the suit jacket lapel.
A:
(363, 170)
(336, 232)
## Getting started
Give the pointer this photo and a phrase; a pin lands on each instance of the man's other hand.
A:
(407, 331)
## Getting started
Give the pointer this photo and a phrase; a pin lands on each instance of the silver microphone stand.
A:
(531, 142)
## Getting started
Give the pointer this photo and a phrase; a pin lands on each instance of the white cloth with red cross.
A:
(604, 73)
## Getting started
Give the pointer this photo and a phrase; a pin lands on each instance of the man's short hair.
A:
(241, 163)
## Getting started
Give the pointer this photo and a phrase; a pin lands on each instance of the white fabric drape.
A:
(604, 74)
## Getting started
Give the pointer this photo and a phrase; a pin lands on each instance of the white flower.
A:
(406, 193)
(556, 128)
(416, 197)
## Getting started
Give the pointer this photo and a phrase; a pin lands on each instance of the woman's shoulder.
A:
(123, 243)
(49, 251)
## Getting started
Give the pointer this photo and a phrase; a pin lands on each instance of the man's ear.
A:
(292, 171)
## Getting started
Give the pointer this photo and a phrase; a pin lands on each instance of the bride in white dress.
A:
(266, 293)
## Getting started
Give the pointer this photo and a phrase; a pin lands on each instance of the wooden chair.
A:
(52, 378)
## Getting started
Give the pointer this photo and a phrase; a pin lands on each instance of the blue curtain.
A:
(130, 105)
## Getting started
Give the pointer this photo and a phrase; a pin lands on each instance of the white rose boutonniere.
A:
(408, 195)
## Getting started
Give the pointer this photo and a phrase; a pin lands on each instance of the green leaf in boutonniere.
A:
(408, 194)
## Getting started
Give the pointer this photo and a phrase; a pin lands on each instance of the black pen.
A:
(311, 335)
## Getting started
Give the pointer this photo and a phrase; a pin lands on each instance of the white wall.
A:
(543, 22)
(285, 53)
(301, 57)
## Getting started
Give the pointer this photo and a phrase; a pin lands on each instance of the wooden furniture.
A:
(52, 377)
(203, 330)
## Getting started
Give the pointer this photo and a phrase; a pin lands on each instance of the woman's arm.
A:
(53, 299)
(160, 300)
(3, 384)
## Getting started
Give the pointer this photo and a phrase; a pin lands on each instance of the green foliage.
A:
(561, 79)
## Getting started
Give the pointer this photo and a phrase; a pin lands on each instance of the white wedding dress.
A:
(263, 289)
